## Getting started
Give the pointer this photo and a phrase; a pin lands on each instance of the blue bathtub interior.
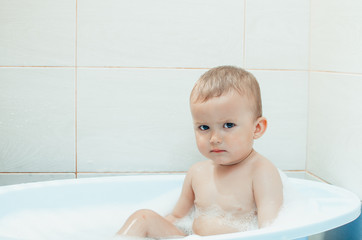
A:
(349, 231)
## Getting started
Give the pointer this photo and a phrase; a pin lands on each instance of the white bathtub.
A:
(96, 208)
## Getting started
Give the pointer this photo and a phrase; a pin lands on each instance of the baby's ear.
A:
(260, 127)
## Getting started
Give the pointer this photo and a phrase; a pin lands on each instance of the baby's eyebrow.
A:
(227, 121)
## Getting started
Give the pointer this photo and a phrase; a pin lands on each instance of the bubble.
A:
(101, 222)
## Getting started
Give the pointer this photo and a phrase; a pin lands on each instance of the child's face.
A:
(224, 128)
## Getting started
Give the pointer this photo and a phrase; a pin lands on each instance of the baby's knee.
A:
(138, 223)
(144, 215)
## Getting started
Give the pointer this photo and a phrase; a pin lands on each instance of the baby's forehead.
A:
(225, 106)
(225, 98)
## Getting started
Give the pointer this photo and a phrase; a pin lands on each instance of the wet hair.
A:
(224, 79)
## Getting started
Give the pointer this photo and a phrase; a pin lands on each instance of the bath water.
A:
(87, 223)
(102, 222)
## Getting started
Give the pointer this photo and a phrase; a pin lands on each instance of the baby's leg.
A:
(147, 223)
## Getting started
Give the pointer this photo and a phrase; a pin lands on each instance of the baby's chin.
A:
(223, 162)
(231, 163)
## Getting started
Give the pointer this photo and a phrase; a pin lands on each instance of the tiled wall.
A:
(335, 126)
(101, 87)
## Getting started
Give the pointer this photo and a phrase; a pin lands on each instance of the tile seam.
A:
(187, 68)
(76, 91)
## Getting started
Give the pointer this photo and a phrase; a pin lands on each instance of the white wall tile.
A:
(36, 120)
(17, 178)
(135, 120)
(276, 34)
(124, 128)
(37, 33)
(335, 129)
(285, 101)
(160, 33)
(336, 35)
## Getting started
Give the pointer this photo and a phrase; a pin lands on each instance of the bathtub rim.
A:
(267, 233)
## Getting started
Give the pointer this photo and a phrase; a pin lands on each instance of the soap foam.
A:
(297, 209)
(98, 222)
(102, 222)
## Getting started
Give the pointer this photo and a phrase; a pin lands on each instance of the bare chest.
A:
(231, 194)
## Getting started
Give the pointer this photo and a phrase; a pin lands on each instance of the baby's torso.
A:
(224, 200)
(214, 220)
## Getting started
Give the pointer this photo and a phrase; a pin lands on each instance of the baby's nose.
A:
(215, 138)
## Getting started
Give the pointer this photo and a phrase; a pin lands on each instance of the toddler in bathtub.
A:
(237, 186)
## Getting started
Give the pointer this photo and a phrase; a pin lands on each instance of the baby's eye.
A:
(229, 125)
(204, 127)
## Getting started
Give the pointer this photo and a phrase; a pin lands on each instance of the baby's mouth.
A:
(217, 151)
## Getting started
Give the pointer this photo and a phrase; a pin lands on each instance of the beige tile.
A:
(276, 34)
(18, 178)
(336, 35)
(125, 128)
(160, 33)
(37, 33)
(285, 101)
(37, 120)
(335, 139)
(135, 120)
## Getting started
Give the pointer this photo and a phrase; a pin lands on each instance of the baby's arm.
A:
(186, 200)
(268, 192)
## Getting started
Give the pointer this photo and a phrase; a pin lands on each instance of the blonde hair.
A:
(221, 80)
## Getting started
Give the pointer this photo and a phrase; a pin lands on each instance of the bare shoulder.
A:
(264, 173)
(200, 166)
(263, 166)
(199, 170)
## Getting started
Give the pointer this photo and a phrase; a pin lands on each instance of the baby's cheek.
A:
(201, 144)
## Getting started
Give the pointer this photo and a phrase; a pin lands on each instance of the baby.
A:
(236, 185)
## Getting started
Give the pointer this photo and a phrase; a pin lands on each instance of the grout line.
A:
(36, 172)
(308, 84)
(125, 67)
(187, 68)
(131, 172)
(37, 66)
(135, 172)
(130, 67)
(144, 172)
(319, 178)
(293, 170)
(244, 37)
(76, 91)
(336, 72)
(277, 70)
(110, 172)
